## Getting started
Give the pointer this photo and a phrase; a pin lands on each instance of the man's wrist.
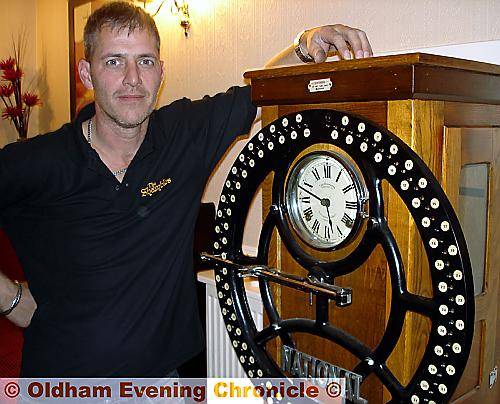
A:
(300, 47)
(8, 292)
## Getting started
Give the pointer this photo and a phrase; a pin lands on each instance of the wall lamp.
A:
(177, 7)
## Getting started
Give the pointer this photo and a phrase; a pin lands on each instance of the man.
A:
(102, 211)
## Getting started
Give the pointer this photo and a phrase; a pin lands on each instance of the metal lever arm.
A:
(341, 296)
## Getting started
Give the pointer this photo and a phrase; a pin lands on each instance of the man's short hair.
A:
(117, 15)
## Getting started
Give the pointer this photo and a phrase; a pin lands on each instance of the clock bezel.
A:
(291, 206)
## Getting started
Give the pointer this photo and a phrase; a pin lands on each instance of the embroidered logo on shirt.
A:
(153, 187)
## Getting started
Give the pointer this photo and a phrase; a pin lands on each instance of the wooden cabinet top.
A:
(409, 76)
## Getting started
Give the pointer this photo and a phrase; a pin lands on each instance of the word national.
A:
(299, 364)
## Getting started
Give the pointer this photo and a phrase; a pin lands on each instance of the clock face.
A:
(325, 200)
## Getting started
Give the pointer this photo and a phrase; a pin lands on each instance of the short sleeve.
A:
(216, 121)
(20, 180)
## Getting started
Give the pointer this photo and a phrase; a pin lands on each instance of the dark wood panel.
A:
(477, 145)
(441, 83)
(348, 85)
(399, 77)
(461, 114)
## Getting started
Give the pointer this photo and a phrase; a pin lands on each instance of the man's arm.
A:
(19, 181)
(319, 43)
(22, 313)
(322, 42)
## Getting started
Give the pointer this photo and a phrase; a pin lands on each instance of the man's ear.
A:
(84, 73)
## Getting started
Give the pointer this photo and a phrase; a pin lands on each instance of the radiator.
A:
(221, 358)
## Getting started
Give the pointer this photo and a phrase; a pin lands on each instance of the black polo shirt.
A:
(110, 263)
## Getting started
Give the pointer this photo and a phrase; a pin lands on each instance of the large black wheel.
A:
(380, 155)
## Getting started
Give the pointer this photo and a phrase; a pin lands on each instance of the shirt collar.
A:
(88, 154)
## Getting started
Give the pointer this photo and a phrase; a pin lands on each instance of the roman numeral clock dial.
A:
(325, 200)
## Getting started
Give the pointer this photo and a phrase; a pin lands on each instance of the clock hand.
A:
(310, 193)
(329, 218)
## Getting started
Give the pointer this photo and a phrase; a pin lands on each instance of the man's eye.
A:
(147, 62)
(112, 62)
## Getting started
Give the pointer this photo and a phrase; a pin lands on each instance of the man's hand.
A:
(321, 42)
(338, 38)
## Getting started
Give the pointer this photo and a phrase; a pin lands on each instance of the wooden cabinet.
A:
(448, 111)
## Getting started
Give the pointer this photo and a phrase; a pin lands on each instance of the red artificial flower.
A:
(6, 90)
(12, 74)
(31, 99)
(7, 64)
(12, 112)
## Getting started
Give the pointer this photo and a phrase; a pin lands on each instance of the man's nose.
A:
(132, 75)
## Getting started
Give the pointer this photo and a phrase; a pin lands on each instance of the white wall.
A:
(53, 63)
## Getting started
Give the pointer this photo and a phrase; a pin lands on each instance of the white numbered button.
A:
(438, 350)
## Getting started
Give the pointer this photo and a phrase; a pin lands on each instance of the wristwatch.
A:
(305, 57)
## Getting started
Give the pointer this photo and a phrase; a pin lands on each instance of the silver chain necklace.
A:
(89, 140)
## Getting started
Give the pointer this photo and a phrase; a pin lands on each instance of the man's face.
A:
(126, 74)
